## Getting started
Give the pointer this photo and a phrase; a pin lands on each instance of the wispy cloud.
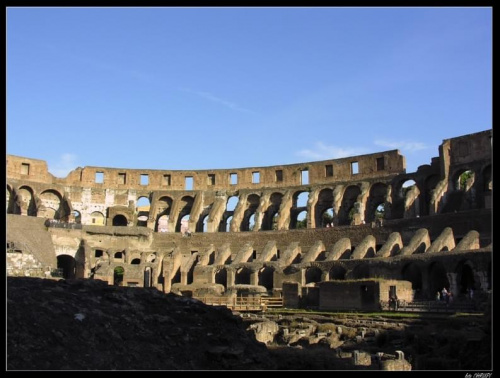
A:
(322, 151)
(209, 96)
(65, 164)
(402, 145)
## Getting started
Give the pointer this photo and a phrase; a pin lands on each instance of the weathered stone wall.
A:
(422, 227)
(363, 295)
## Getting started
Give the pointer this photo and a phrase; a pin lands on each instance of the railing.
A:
(429, 306)
(243, 303)
(59, 224)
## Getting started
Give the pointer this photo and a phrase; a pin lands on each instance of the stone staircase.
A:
(31, 233)
(439, 307)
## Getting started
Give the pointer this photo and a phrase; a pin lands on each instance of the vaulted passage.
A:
(68, 265)
(120, 220)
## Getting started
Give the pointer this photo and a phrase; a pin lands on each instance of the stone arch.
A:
(266, 277)
(120, 220)
(376, 197)
(77, 217)
(118, 275)
(26, 201)
(253, 201)
(313, 274)
(51, 201)
(68, 265)
(135, 259)
(400, 187)
(242, 276)
(163, 206)
(299, 206)
(361, 271)
(220, 277)
(459, 195)
(430, 184)
(186, 205)
(97, 218)
(337, 272)
(412, 272)
(437, 278)
(465, 277)
(323, 204)
(142, 208)
(349, 199)
(227, 216)
(271, 213)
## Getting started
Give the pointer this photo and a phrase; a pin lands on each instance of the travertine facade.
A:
(245, 224)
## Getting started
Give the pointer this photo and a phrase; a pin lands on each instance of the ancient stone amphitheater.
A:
(217, 232)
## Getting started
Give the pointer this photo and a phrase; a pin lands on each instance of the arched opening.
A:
(248, 221)
(151, 258)
(266, 278)
(184, 222)
(26, 201)
(186, 205)
(120, 220)
(298, 212)
(375, 205)
(190, 273)
(221, 277)
(361, 271)
(412, 272)
(327, 218)
(118, 274)
(120, 256)
(231, 203)
(97, 219)
(135, 261)
(313, 274)
(51, 205)
(68, 265)
(301, 220)
(162, 223)
(465, 277)
(142, 209)
(77, 217)
(269, 220)
(202, 224)
(347, 208)
(398, 203)
(177, 276)
(437, 279)
(148, 277)
(337, 273)
(324, 208)
(163, 207)
(251, 222)
(242, 276)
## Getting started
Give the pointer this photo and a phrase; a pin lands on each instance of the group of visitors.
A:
(444, 296)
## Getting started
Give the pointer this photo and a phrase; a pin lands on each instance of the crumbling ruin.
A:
(205, 232)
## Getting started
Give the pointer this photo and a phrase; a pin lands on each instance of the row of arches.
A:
(322, 207)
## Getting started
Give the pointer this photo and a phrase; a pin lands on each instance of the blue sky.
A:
(208, 88)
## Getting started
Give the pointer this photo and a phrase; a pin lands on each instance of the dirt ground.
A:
(88, 325)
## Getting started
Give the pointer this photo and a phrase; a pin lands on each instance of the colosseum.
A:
(293, 231)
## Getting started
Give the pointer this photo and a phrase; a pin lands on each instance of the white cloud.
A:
(65, 164)
(405, 146)
(323, 152)
(211, 97)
